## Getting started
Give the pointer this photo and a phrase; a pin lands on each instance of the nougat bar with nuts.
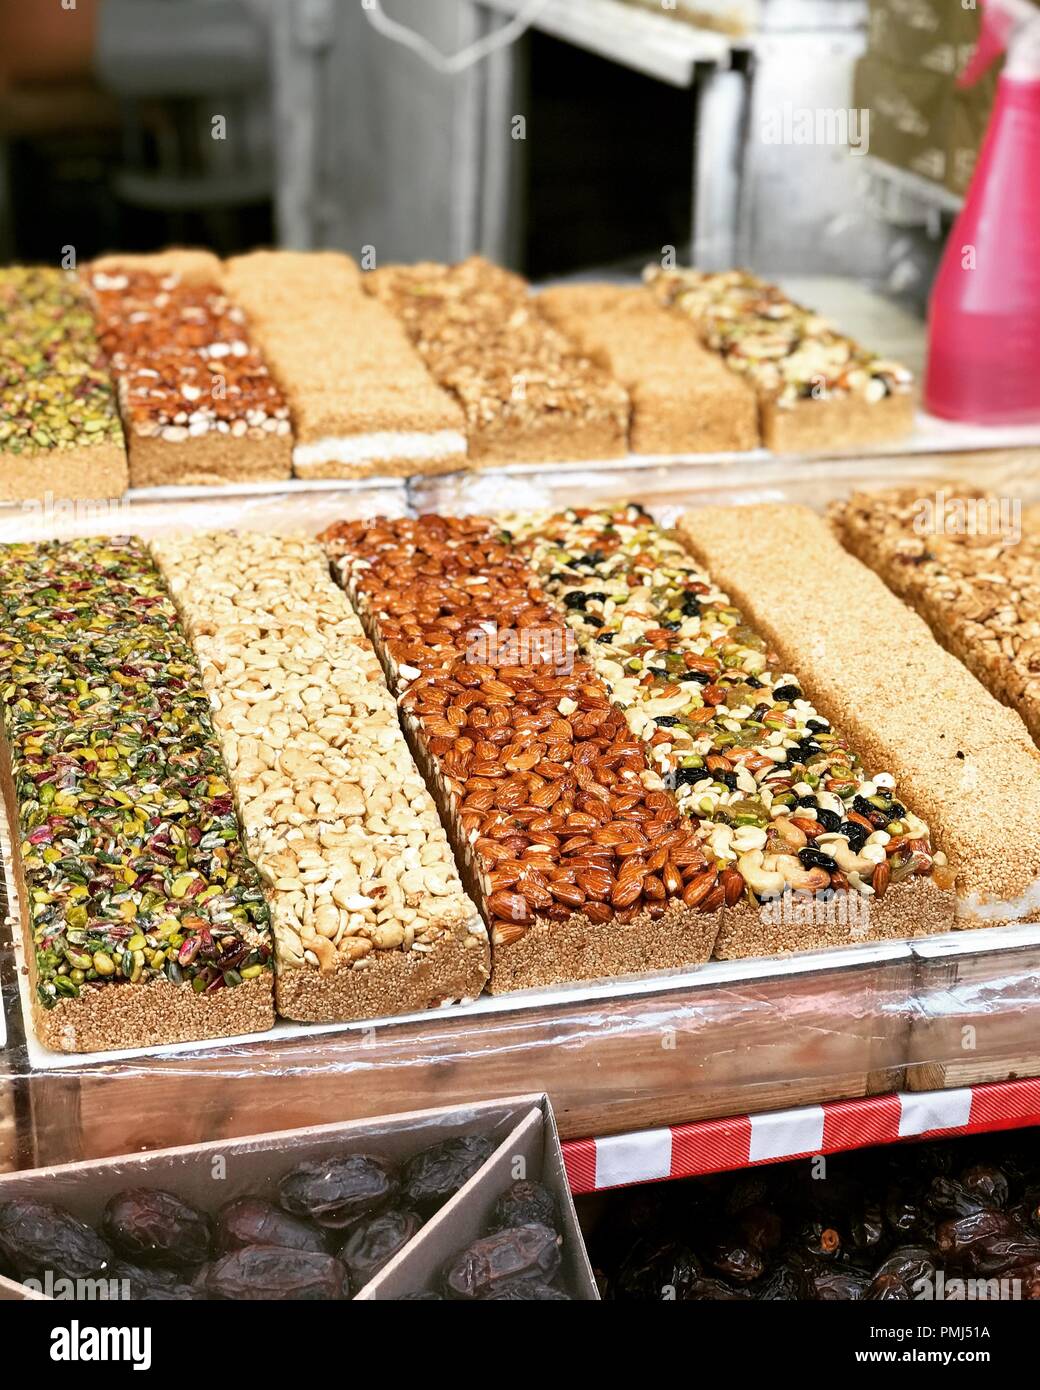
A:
(964, 761)
(817, 389)
(969, 562)
(370, 917)
(684, 400)
(362, 400)
(527, 392)
(143, 916)
(60, 433)
(814, 849)
(576, 855)
(199, 405)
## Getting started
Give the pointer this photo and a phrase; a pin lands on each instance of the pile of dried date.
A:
(943, 1221)
(332, 1225)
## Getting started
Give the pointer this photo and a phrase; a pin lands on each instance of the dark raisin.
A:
(575, 599)
(753, 683)
(374, 1241)
(830, 820)
(671, 627)
(437, 1173)
(150, 1226)
(896, 811)
(728, 779)
(878, 819)
(521, 1252)
(254, 1221)
(819, 726)
(525, 1203)
(36, 1237)
(691, 606)
(807, 803)
(787, 693)
(267, 1272)
(666, 721)
(606, 637)
(855, 834)
(591, 620)
(596, 597)
(816, 859)
(336, 1191)
(699, 676)
(687, 776)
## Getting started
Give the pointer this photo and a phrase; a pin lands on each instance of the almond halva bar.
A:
(144, 919)
(574, 853)
(369, 914)
(969, 563)
(198, 402)
(783, 799)
(817, 389)
(528, 394)
(60, 433)
(363, 402)
(684, 400)
(964, 761)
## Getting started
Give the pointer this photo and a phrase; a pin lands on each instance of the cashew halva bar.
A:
(784, 801)
(199, 405)
(574, 852)
(370, 917)
(527, 393)
(963, 760)
(60, 434)
(817, 389)
(144, 920)
(684, 400)
(362, 400)
(969, 562)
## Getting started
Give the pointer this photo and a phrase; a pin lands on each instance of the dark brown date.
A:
(266, 1272)
(783, 1284)
(523, 1252)
(909, 1263)
(761, 1228)
(657, 1271)
(705, 1290)
(887, 1288)
(948, 1197)
(832, 1284)
(375, 1240)
(151, 1285)
(524, 1203)
(986, 1182)
(526, 1291)
(150, 1226)
(735, 1261)
(335, 1192)
(36, 1237)
(254, 1221)
(432, 1176)
(954, 1237)
(1002, 1254)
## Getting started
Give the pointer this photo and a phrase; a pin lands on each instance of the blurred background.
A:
(577, 135)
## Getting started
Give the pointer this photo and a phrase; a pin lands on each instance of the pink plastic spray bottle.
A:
(984, 315)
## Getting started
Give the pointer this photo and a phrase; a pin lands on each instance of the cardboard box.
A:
(970, 111)
(933, 35)
(909, 115)
(211, 1174)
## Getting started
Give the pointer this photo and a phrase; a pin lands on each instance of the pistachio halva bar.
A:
(817, 389)
(60, 433)
(969, 562)
(369, 914)
(527, 393)
(144, 919)
(683, 398)
(198, 402)
(964, 761)
(362, 400)
(784, 801)
(568, 841)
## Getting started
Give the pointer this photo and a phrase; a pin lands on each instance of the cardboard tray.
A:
(210, 1174)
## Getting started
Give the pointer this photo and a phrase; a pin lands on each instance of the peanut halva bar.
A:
(527, 393)
(963, 760)
(362, 400)
(369, 914)
(785, 802)
(970, 566)
(144, 920)
(817, 389)
(60, 432)
(573, 851)
(684, 400)
(198, 402)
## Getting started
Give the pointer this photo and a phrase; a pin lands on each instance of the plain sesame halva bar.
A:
(369, 914)
(568, 841)
(199, 405)
(527, 392)
(684, 400)
(784, 801)
(964, 761)
(969, 562)
(362, 400)
(817, 389)
(60, 433)
(144, 919)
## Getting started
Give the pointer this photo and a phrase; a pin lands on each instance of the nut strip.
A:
(966, 562)
(134, 868)
(369, 913)
(56, 394)
(526, 391)
(188, 373)
(786, 802)
(571, 845)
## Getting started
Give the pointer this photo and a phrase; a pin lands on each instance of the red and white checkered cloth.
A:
(713, 1146)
